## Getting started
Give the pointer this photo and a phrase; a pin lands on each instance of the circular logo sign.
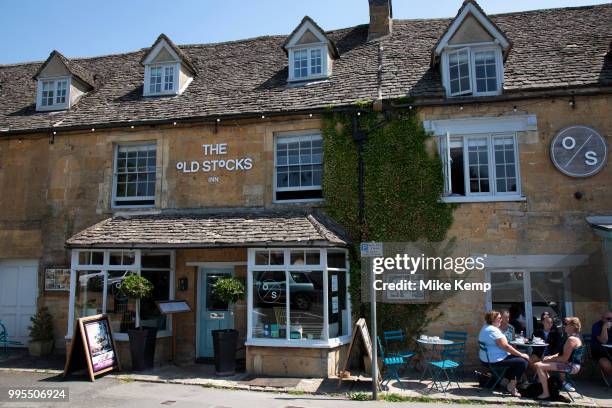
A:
(578, 151)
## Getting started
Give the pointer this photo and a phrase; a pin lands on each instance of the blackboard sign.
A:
(93, 347)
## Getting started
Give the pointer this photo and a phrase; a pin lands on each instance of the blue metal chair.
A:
(459, 338)
(496, 371)
(391, 365)
(4, 339)
(577, 356)
(396, 337)
(444, 370)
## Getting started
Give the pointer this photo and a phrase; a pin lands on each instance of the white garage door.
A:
(18, 291)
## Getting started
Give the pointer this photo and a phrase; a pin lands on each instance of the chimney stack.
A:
(381, 18)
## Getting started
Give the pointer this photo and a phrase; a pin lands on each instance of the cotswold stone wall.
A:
(550, 222)
(51, 191)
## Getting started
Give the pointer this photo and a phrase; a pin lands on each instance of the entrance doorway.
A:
(528, 294)
(213, 314)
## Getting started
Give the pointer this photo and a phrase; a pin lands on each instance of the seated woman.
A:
(551, 335)
(567, 362)
(506, 327)
(501, 354)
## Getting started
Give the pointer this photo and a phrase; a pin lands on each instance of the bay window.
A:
(298, 297)
(96, 276)
(480, 166)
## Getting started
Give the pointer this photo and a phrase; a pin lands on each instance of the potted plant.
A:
(41, 333)
(142, 339)
(225, 342)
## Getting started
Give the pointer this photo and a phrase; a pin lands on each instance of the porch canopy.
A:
(235, 228)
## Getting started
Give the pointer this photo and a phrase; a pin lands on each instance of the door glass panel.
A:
(150, 316)
(212, 302)
(306, 302)
(547, 295)
(507, 293)
(120, 309)
(269, 304)
(89, 291)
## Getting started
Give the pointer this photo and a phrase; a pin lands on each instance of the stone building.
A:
(187, 163)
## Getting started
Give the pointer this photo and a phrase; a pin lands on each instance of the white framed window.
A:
(94, 288)
(298, 297)
(298, 167)
(480, 167)
(53, 93)
(161, 79)
(527, 293)
(134, 176)
(307, 63)
(474, 71)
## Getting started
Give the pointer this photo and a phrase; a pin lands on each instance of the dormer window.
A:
(162, 79)
(307, 63)
(168, 70)
(61, 83)
(54, 93)
(310, 51)
(471, 54)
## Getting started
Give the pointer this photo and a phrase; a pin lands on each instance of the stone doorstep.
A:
(306, 386)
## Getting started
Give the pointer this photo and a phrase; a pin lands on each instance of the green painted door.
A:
(214, 315)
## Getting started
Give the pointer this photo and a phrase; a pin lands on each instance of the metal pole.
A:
(374, 335)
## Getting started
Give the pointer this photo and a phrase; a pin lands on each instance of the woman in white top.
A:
(501, 354)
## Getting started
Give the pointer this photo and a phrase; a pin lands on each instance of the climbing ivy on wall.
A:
(403, 183)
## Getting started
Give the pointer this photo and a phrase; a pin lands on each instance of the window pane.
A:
(121, 309)
(486, 71)
(507, 294)
(505, 164)
(300, 63)
(136, 171)
(155, 260)
(338, 314)
(89, 291)
(149, 313)
(269, 308)
(478, 162)
(457, 168)
(168, 78)
(301, 166)
(277, 257)
(459, 71)
(315, 62)
(262, 257)
(306, 305)
(336, 259)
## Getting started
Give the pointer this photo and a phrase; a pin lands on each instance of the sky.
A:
(31, 29)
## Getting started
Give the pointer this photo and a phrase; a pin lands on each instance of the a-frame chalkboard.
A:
(93, 347)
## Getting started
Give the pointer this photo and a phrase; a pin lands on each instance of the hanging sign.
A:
(212, 164)
(578, 151)
(93, 347)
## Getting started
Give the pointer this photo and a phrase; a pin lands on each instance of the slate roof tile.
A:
(554, 48)
(237, 228)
